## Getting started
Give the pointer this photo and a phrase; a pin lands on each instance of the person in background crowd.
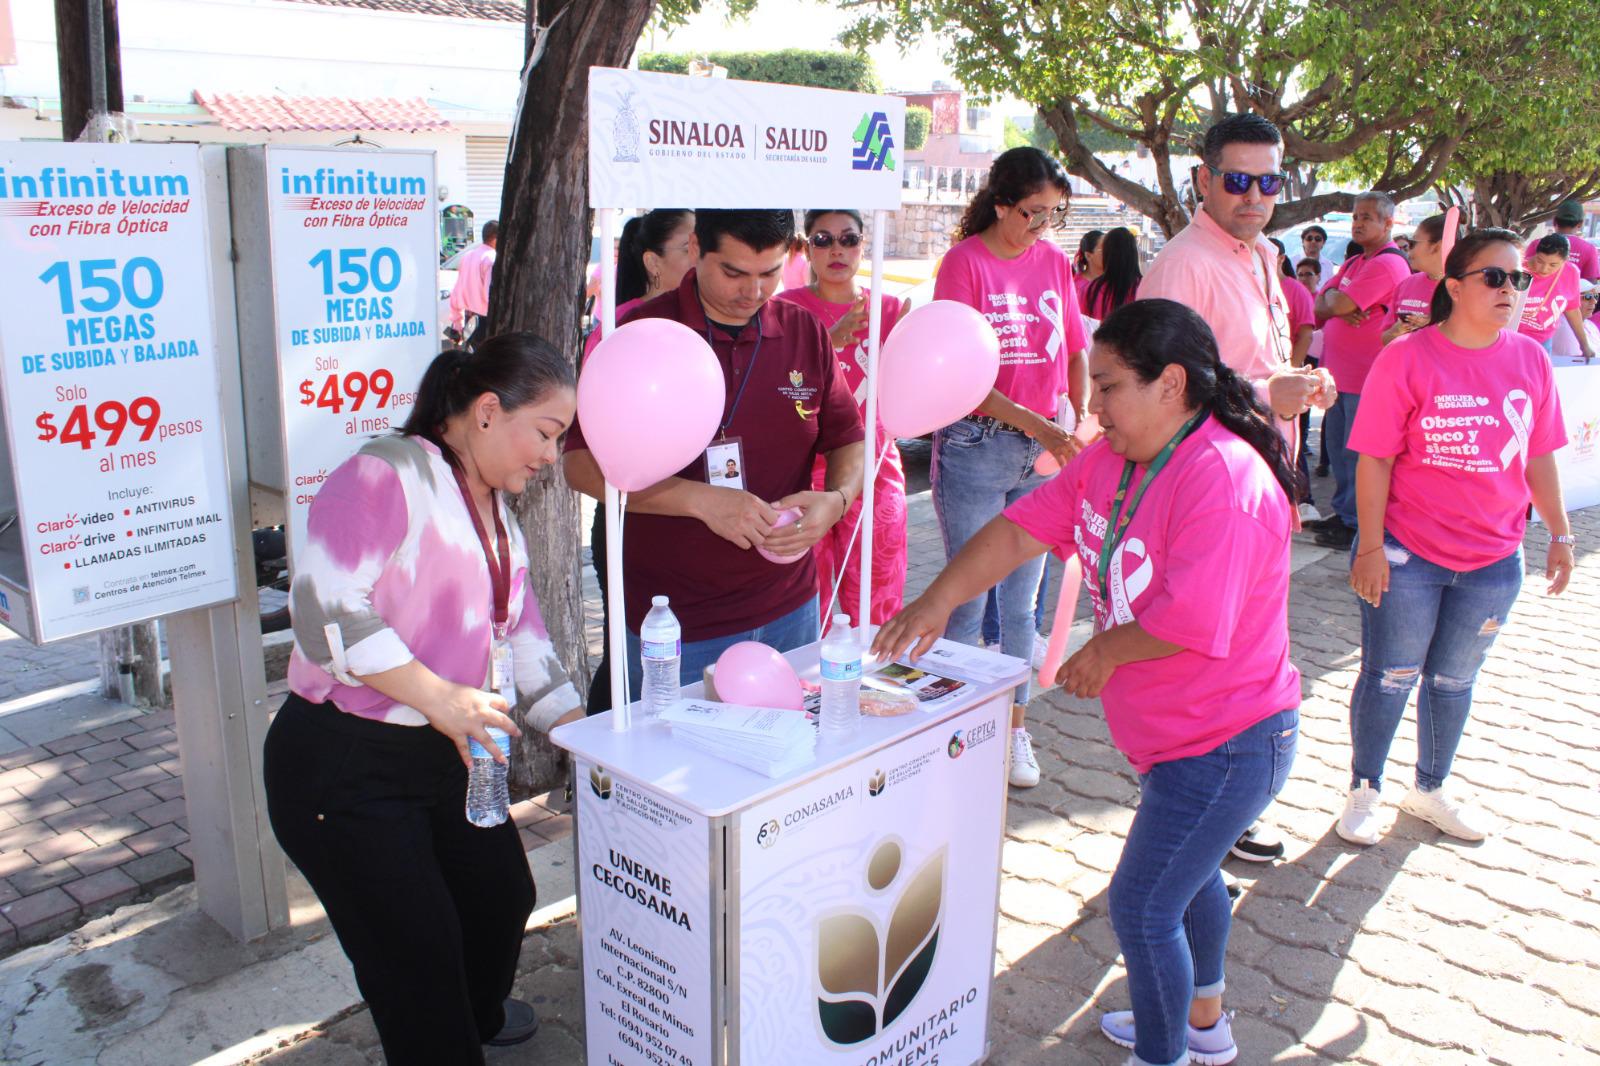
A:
(1553, 296)
(1438, 563)
(1302, 329)
(1224, 269)
(469, 298)
(1088, 263)
(1413, 297)
(1118, 282)
(1190, 657)
(399, 608)
(835, 244)
(1402, 242)
(693, 540)
(1566, 342)
(1354, 305)
(1313, 246)
(797, 267)
(655, 251)
(1309, 273)
(1568, 222)
(984, 462)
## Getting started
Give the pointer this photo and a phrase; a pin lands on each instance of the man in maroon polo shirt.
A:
(693, 536)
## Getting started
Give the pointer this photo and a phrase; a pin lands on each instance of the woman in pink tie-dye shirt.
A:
(396, 609)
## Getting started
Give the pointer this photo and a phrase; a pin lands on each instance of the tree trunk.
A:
(1164, 206)
(538, 286)
(76, 66)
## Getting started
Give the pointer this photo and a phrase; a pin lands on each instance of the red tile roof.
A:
(486, 10)
(241, 112)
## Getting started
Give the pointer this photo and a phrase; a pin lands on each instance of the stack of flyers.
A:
(769, 741)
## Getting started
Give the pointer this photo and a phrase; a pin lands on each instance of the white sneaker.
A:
(1041, 644)
(1309, 513)
(1359, 822)
(1024, 767)
(1454, 817)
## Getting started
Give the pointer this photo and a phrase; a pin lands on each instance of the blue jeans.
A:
(1437, 624)
(785, 633)
(978, 471)
(1336, 423)
(1169, 906)
(991, 607)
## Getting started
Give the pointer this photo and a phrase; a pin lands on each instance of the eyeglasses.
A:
(1045, 216)
(1496, 278)
(824, 239)
(1237, 183)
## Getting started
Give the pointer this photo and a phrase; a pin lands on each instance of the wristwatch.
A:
(1570, 540)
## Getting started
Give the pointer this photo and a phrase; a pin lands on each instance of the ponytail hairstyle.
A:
(1150, 335)
(519, 368)
(1283, 257)
(1119, 281)
(1016, 174)
(648, 232)
(1086, 246)
(1455, 266)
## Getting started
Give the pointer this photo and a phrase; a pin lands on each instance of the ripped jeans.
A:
(1437, 624)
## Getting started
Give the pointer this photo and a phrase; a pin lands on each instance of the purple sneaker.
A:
(1207, 1047)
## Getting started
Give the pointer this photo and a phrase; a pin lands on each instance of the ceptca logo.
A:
(874, 144)
(981, 733)
(767, 835)
(600, 781)
(957, 745)
(876, 783)
(872, 962)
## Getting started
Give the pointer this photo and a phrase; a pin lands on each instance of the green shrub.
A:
(849, 71)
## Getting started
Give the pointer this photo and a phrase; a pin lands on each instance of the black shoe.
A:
(1231, 883)
(1321, 471)
(1336, 536)
(1252, 847)
(521, 1023)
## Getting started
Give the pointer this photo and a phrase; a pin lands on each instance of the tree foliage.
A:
(850, 71)
(919, 120)
(1381, 94)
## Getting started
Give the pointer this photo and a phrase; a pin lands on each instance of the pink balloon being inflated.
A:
(752, 674)
(786, 517)
(1086, 431)
(650, 397)
(936, 367)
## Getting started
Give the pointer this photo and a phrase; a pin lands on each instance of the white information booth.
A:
(844, 912)
(1578, 385)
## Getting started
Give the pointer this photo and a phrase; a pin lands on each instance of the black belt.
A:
(991, 423)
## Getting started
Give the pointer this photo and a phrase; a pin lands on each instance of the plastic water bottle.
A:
(841, 679)
(661, 641)
(487, 798)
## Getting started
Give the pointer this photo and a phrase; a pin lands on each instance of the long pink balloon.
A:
(1066, 604)
(1452, 219)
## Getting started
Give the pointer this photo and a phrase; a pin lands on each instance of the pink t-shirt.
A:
(1370, 282)
(1205, 565)
(1302, 306)
(1547, 300)
(1413, 296)
(1033, 306)
(1461, 425)
(1580, 253)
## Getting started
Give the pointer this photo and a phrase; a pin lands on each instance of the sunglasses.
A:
(824, 239)
(1051, 216)
(1236, 183)
(1496, 278)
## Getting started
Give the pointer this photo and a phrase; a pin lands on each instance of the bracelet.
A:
(1369, 551)
(843, 499)
(1570, 540)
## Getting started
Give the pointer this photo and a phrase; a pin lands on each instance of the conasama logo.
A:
(874, 144)
(868, 970)
(767, 835)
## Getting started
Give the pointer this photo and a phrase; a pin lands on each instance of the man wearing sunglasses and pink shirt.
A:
(1223, 268)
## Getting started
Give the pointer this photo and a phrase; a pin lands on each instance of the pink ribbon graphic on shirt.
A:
(1125, 591)
(1050, 308)
(1517, 446)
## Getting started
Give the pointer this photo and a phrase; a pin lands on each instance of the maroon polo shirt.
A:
(795, 407)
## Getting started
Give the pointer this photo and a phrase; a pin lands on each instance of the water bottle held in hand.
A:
(661, 647)
(487, 798)
(841, 679)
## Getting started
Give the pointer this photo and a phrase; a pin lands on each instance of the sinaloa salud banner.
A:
(110, 382)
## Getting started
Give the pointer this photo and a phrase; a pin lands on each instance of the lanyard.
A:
(1118, 527)
(722, 430)
(499, 574)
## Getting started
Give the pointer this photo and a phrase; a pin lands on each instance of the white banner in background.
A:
(110, 390)
(1579, 462)
(667, 140)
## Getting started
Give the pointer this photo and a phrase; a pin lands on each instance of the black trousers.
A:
(600, 683)
(429, 908)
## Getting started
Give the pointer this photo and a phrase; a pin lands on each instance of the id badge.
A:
(725, 463)
(502, 672)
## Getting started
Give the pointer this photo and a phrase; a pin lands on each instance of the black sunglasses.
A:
(1496, 278)
(1237, 183)
(824, 239)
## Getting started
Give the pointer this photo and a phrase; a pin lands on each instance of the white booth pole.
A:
(870, 419)
(616, 604)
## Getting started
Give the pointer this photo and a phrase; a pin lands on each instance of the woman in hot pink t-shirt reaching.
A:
(981, 464)
(1553, 295)
(1457, 434)
(1181, 518)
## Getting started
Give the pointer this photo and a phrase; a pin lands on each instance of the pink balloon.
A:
(1452, 223)
(936, 367)
(786, 517)
(650, 398)
(753, 675)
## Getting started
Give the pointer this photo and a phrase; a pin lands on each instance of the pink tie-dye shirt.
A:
(392, 571)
